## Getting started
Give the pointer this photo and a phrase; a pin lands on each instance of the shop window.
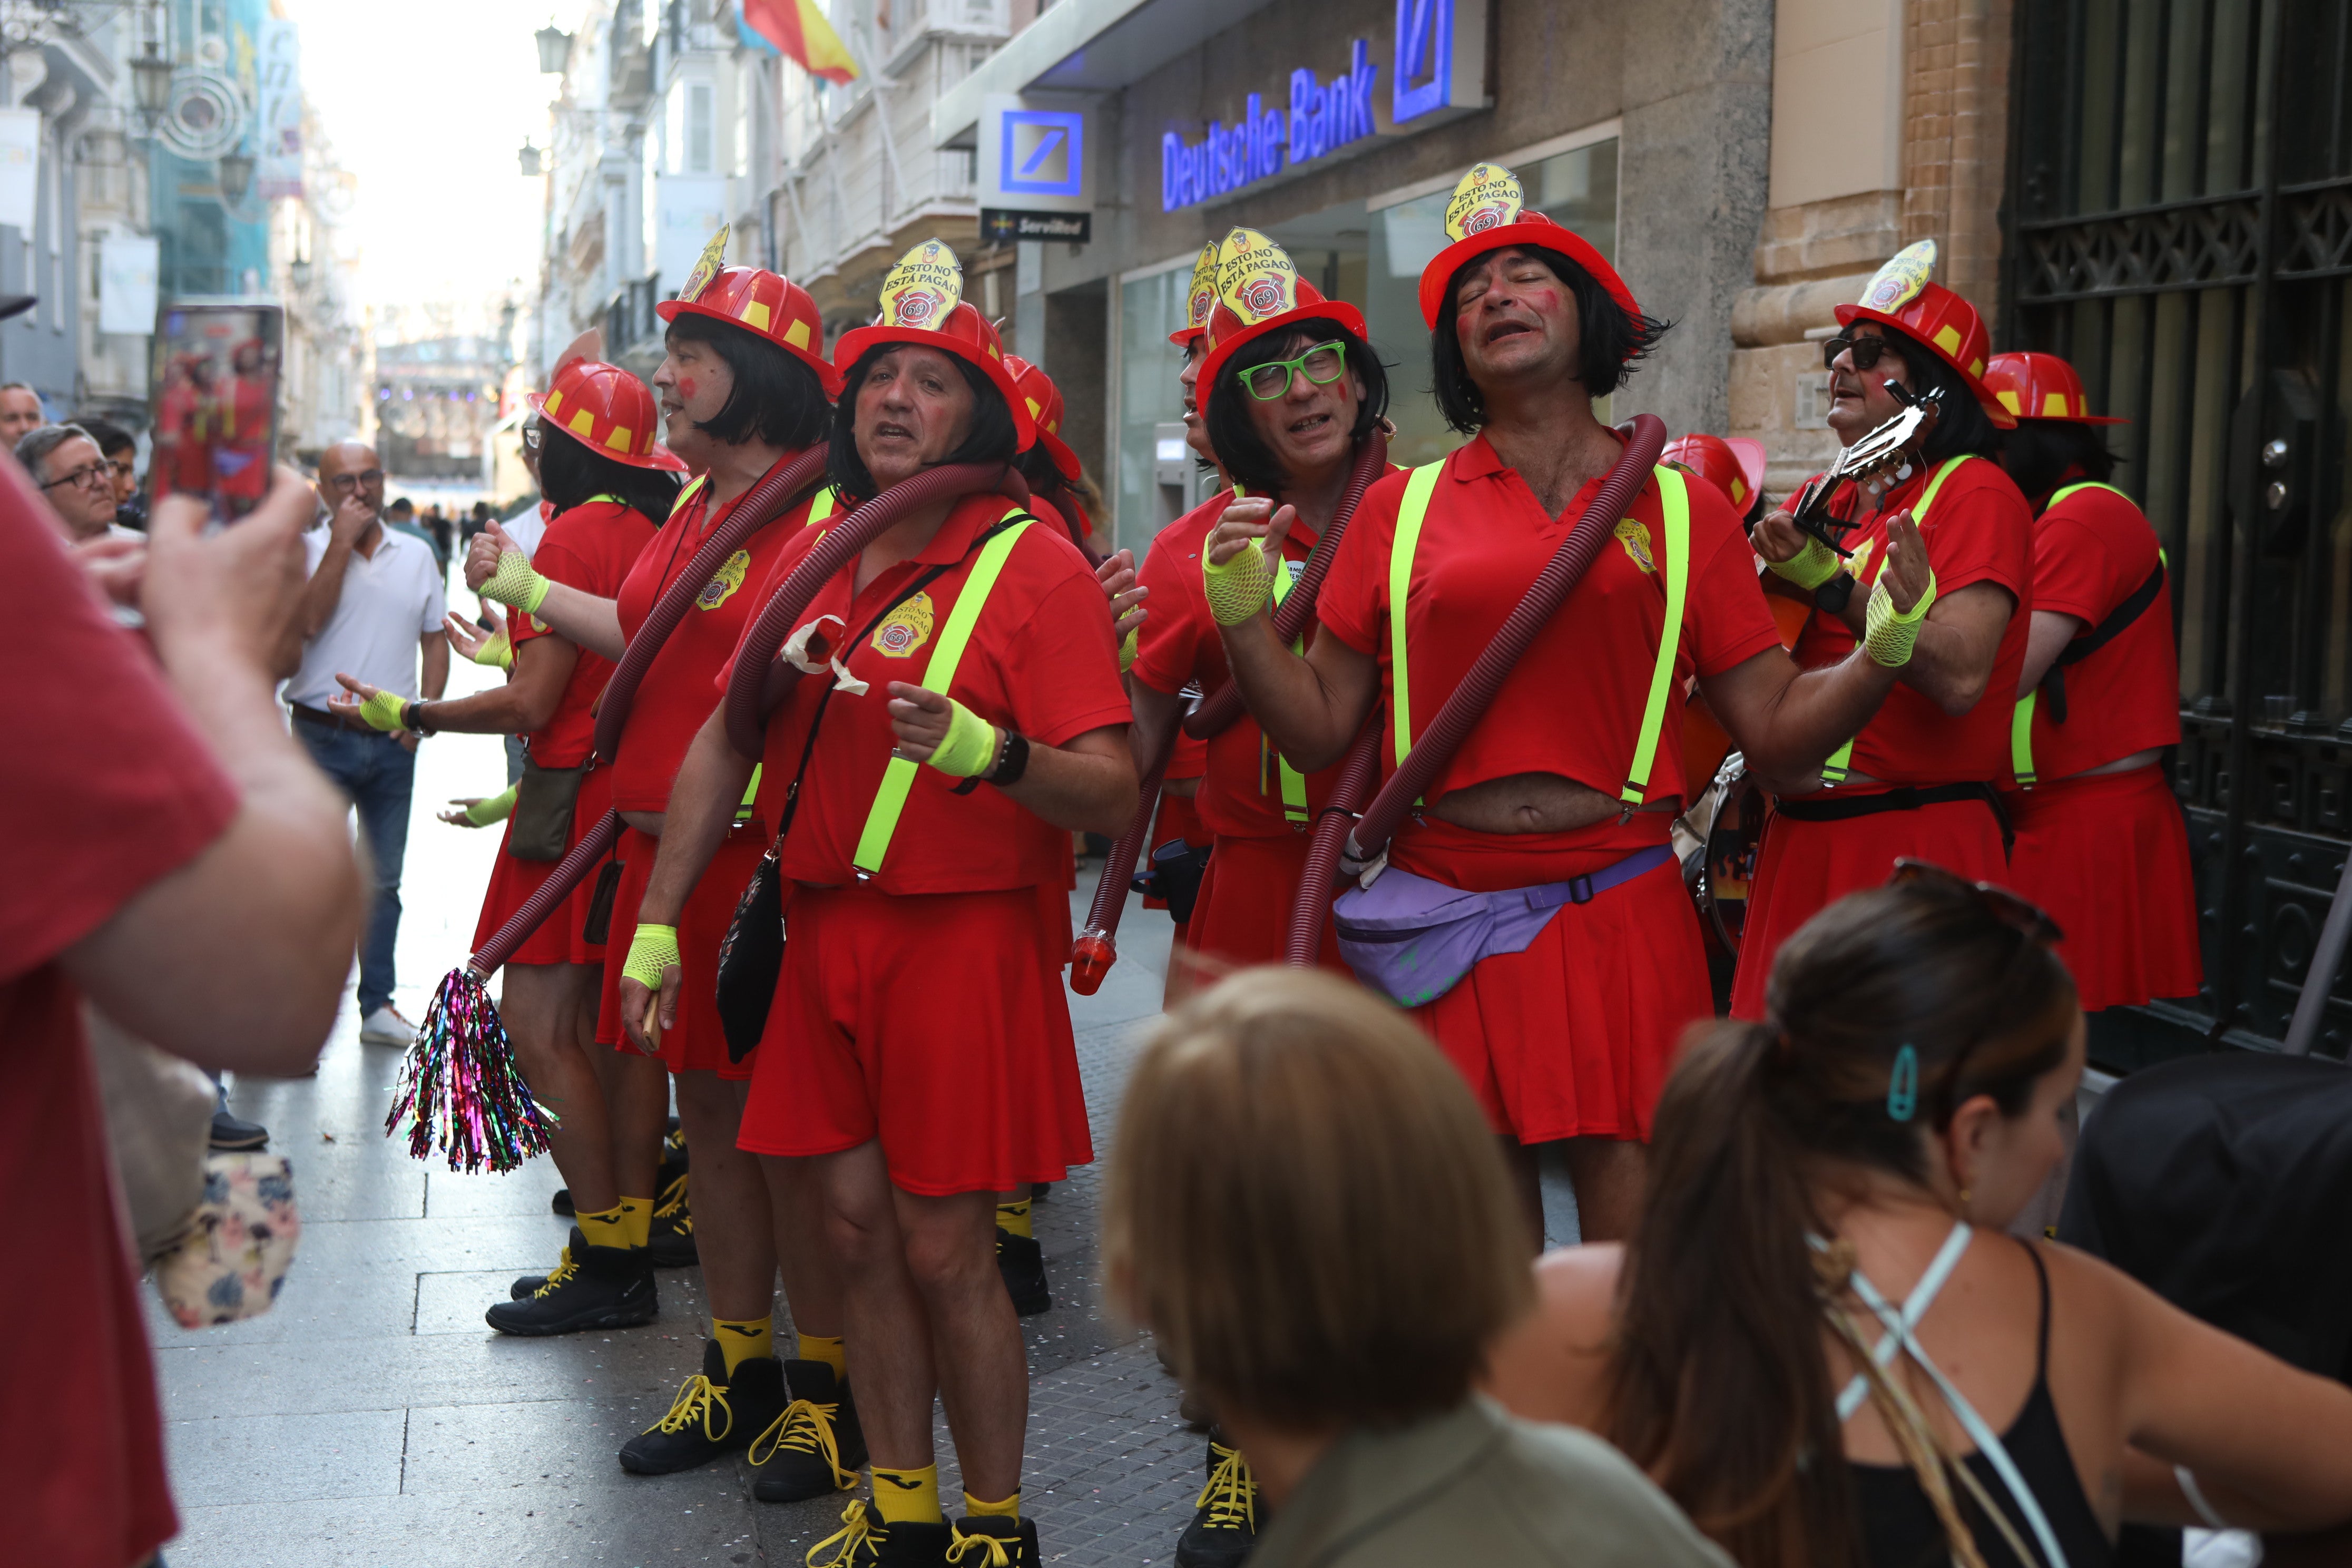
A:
(1149, 399)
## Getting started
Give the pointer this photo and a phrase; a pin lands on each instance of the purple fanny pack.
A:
(1413, 940)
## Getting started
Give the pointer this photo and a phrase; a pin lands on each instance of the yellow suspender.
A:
(1674, 503)
(938, 675)
(2021, 724)
(1293, 783)
(822, 506)
(616, 500)
(688, 493)
(1834, 771)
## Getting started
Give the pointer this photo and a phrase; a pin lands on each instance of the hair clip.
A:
(1902, 1085)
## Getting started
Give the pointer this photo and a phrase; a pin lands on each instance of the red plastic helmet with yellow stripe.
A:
(1900, 296)
(604, 408)
(761, 302)
(923, 304)
(2041, 386)
(1043, 399)
(1734, 467)
(1487, 212)
(1259, 291)
(1200, 299)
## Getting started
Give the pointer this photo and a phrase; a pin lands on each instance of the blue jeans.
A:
(379, 774)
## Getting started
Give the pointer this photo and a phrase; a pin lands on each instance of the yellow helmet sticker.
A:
(1255, 277)
(1899, 282)
(1202, 297)
(926, 284)
(905, 628)
(706, 265)
(1487, 197)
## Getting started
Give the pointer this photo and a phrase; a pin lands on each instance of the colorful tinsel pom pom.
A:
(460, 1089)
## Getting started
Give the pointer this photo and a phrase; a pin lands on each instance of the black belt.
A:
(1902, 798)
(327, 720)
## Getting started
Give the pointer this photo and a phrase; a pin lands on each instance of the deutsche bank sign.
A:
(1041, 153)
(1436, 69)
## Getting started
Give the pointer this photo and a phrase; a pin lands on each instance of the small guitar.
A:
(1883, 457)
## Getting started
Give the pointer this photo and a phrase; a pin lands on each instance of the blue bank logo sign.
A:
(1040, 153)
(1422, 79)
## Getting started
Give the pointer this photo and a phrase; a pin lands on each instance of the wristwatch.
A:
(1011, 760)
(1831, 596)
(411, 717)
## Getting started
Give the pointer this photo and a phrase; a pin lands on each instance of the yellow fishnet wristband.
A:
(1889, 634)
(970, 745)
(1811, 567)
(382, 711)
(1240, 588)
(652, 950)
(516, 583)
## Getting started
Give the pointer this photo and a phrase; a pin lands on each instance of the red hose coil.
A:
(549, 897)
(1097, 948)
(1302, 944)
(761, 681)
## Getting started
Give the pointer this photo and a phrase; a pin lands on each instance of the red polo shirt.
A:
(676, 697)
(1573, 705)
(2091, 553)
(1979, 530)
(1241, 785)
(589, 548)
(1041, 660)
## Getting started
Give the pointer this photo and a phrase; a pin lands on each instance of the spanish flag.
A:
(798, 28)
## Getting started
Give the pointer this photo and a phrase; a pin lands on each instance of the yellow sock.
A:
(1014, 1217)
(639, 1214)
(610, 1229)
(742, 1341)
(1008, 1508)
(833, 1352)
(908, 1497)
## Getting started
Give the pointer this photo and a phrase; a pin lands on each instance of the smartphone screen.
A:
(213, 402)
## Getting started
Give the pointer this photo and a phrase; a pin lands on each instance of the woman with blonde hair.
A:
(1807, 1281)
(1329, 1268)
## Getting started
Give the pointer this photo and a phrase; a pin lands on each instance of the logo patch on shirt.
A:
(1634, 536)
(721, 588)
(905, 629)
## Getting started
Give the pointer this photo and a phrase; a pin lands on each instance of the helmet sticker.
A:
(926, 284)
(1488, 197)
(1902, 280)
(706, 265)
(1202, 297)
(1255, 277)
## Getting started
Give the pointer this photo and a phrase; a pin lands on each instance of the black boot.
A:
(1023, 1263)
(986, 1541)
(864, 1542)
(715, 1412)
(594, 1288)
(1224, 1525)
(671, 1240)
(561, 1202)
(814, 1448)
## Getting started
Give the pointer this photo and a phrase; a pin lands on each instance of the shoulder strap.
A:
(1674, 502)
(938, 675)
(821, 506)
(692, 488)
(1411, 512)
(2085, 485)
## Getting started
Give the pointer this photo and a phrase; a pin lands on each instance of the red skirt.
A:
(934, 1023)
(1805, 866)
(561, 937)
(2109, 857)
(699, 1044)
(1242, 916)
(1574, 1036)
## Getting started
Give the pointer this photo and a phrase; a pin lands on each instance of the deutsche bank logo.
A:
(1041, 153)
(1424, 77)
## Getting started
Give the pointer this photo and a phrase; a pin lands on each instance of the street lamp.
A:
(554, 49)
(529, 158)
(151, 84)
(236, 176)
(300, 270)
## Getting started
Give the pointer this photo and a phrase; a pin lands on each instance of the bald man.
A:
(373, 611)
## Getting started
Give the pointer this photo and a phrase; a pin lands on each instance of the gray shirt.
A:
(1479, 1485)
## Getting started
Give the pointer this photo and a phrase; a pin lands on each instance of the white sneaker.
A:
(386, 1027)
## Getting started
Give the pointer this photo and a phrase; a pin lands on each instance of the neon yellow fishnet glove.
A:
(516, 583)
(384, 710)
(1240, 588)
(652, 950)
(1809, 568)
(497, 808)
(1128, 646)
(1889, 633)
(498, 651)
(969, 746)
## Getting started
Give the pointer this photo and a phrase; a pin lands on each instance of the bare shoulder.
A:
(1552, 1366)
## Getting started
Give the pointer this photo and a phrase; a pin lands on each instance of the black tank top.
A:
(1899, 1527)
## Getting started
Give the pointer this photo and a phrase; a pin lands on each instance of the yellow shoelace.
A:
(561, 1274)
(673, 1206)
(859, 1539)
(699, 1399)
(1230, 1496)
(806, 1427)
(988, 1551)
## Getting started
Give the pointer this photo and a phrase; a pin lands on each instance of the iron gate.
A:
(2179, 223)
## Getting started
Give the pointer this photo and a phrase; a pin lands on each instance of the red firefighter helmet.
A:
(1036, 389)
(1734, 467)
(603, 407)
(1488, 212)
(1200, 299)
(2041, 386)
(1258, 292)
(668, 461)
(766, 305)
(1900, 296)
(923, 304)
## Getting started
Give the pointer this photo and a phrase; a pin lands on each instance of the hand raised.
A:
(1907, 570)
(1251, 517)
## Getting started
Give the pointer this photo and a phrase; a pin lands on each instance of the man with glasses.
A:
(120, 450)
(74, 478)
(374, 603)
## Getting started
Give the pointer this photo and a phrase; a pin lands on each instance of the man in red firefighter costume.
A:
(243, 413)
(743, 389)
(1563, 791)
(2101, 841)
(964, 717)
(1919, 779)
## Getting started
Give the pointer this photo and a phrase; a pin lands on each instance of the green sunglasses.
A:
(1322, 365)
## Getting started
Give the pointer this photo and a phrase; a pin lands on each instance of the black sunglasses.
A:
(1867, 352)
(2006, 907)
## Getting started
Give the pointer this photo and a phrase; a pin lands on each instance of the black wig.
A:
(1609, 342)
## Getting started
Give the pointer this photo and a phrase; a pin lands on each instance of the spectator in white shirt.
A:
(374, 605)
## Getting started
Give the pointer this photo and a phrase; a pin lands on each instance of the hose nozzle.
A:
(1090, 959)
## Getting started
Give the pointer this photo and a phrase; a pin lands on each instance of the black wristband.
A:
(1833, 595)
(1011, 760)
(411, 717)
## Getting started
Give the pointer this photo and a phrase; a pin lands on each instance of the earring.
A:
(1965, 1194)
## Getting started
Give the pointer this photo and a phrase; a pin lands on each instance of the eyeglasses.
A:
(90, 476)
(2005, 906)
(1322, 365)
(1867, 352)
(531, 436)
(368, 476)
